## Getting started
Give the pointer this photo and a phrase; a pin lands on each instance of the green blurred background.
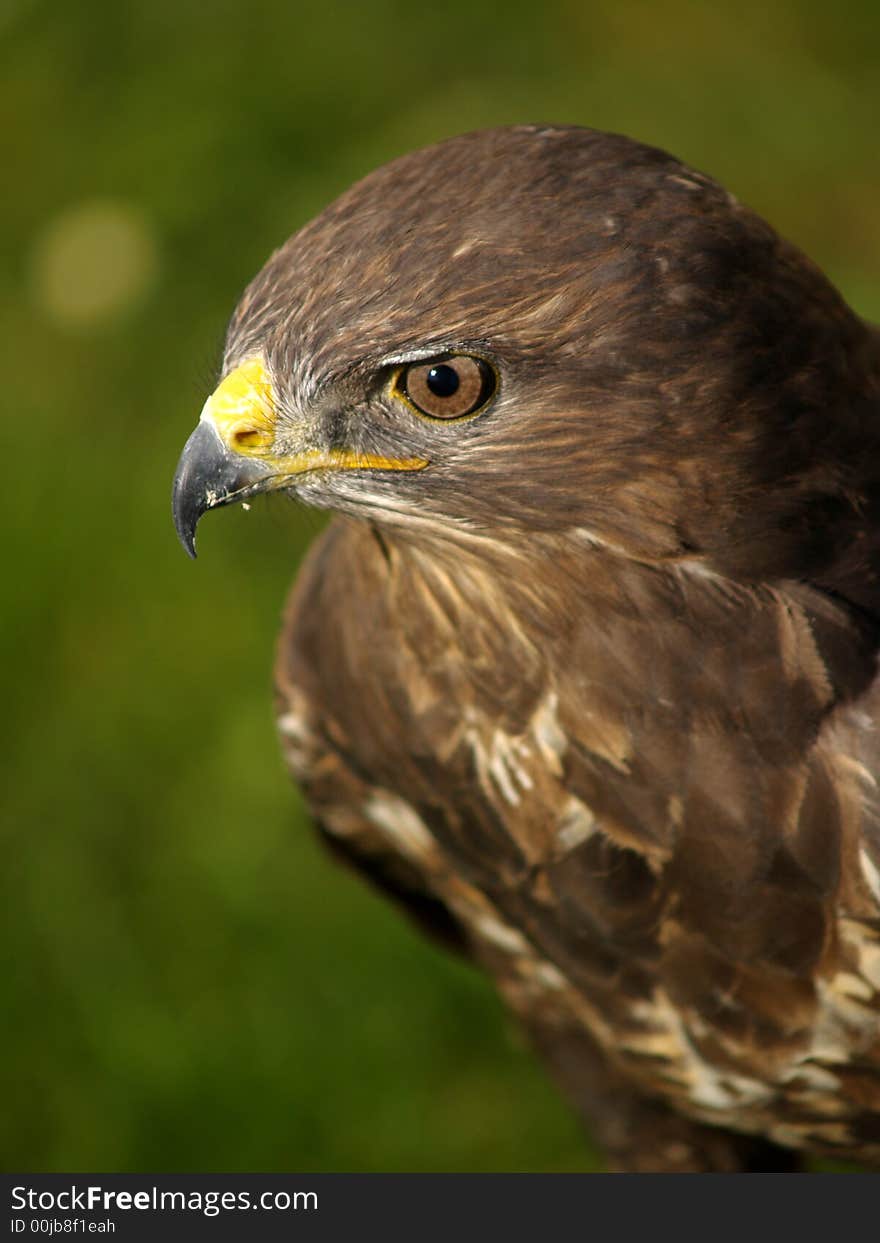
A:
(187, 983)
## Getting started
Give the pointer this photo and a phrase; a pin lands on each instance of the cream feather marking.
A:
(657, 1031)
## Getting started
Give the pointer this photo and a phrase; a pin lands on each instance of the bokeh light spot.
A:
(92, 262)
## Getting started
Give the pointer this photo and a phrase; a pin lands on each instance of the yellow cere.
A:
(242, 410)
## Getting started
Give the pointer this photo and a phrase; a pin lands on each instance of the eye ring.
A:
(451, 386)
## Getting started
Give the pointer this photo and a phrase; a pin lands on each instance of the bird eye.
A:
(447, 388)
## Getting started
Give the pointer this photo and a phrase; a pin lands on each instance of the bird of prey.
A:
(583, 672)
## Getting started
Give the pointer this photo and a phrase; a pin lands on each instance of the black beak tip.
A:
(208, 476)
(189, 544)
(187, 511)
(186, 508)
(189, 491)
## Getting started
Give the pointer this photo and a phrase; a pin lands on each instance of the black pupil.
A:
(443, 380)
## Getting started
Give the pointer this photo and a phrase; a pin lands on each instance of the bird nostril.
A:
(250, 438)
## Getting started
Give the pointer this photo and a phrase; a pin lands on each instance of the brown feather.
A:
(594, 692)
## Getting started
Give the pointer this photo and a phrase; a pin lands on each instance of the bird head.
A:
(544, 330)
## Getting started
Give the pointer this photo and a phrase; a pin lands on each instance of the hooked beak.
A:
(232, 455)
(224, 459)
(208, 476)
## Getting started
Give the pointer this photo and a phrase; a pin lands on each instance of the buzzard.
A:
(583, 673)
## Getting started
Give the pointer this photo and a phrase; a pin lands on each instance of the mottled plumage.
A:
(586, 679)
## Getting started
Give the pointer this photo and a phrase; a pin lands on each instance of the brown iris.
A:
(447, 388)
